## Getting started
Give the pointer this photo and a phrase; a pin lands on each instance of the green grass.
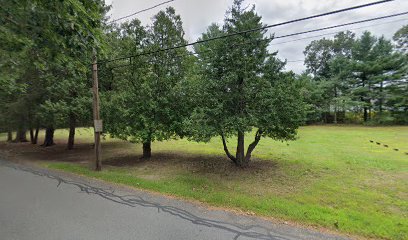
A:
(332, 176)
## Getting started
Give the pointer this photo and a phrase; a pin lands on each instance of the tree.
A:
(56, 39)
(243, 88)
(401, 39)
(15, 47)
(397, 86)
(337, 87)
(365, 75)
(317, 56)
(312, 93)
(374, 66)
(79, 33)
(147, 97)
(324, 59)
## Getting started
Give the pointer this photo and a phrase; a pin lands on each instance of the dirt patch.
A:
(83, 151)
(192, 163)
(58, 152)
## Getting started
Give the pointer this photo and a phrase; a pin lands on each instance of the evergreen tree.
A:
(243, 88)
(52, 42)
(146, 105)
(374, 66)
(325, 59)
(401, 39)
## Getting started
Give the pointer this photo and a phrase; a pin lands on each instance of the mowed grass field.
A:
(331, 177)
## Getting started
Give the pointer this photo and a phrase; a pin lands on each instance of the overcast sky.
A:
(197, 15)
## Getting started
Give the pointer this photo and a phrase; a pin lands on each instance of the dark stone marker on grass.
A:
(396, 149)
(371, 141)
(385, 145)
(378, 143)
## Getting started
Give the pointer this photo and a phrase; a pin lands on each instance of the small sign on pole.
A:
(98, 126)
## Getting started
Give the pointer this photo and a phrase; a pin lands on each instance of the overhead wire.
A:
(276, 37)
(332, 33)
(141, 11)
(263, 28)
(324, 28)
(343, 25)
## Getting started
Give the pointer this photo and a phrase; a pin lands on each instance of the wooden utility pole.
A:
(96, 115)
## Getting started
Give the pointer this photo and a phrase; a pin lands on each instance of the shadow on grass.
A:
(194, 163)
(120, 154)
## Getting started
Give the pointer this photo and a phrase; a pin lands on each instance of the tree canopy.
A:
(145, 103)
(354, 75)
(243, 88)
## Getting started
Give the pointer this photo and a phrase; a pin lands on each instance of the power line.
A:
(342, 25)
(326, 28)
(261, 28)
(302, 60)
(144, 10)
(317, 30)
(268, 39)
(332, 33)
(294, 61)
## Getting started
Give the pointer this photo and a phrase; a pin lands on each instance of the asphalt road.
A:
(39, 204)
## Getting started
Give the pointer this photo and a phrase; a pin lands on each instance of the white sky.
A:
(197, 15)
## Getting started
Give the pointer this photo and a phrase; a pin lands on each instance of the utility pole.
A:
(96, 115)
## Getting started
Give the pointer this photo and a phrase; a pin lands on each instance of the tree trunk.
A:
(369, 100)
(35, 140)
(49, 137)
(71, 136)
(335, 106)
(369, 113)
(240, 154)
(32, 135)
(252, 146)
(9, 136)
(229, 155)
(241, 159)
(363, 99)
(365, 114)
(147, 149)
(381, 97)
(21, 136)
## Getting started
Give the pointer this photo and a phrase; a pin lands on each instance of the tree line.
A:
(45, 48)
(357, 79)
(223, 88)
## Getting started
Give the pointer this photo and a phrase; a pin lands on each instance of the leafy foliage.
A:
(243, 87)
(50, 45)
(146, 102)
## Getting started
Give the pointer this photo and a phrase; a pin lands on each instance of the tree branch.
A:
(226, 149)
(252, 146)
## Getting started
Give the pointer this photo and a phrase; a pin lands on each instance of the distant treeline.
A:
(357, 79)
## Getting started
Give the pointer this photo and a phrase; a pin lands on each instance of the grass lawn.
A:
(331, 177)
